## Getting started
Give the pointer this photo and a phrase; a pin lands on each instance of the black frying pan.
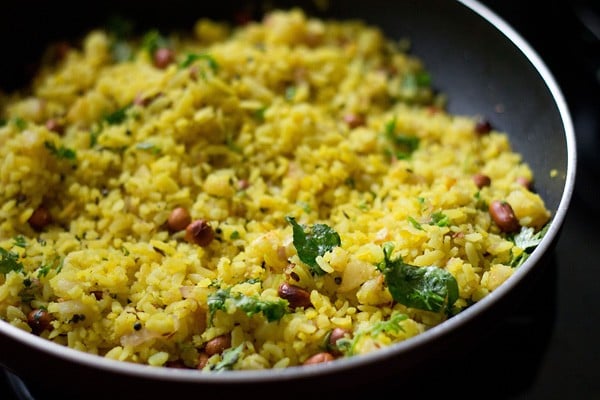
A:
(480, 62)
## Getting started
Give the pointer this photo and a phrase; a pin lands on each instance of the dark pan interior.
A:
(482, 72)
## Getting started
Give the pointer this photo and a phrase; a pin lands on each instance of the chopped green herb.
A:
(117, 116)
(392, 325)
(151, 147)
(45, 268)
(20, 241)
(272, 310)
(20, 123)
(121, 51)
(426, 288)
(9, 261)
(390, 127)
(363, 205)
(228, 359)
(527, 239)
(234, 235)
(94, 133)
(60, 152)
(402, 145)
(313, 241)
(259, 114)
(480, 203)
(415, 81)
(305, 206)
(190, 58)
(415, 223)
(230, 142)
(153, 41)
(440, 219)
(290, 93)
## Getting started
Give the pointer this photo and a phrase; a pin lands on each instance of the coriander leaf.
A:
(94, 133)
(290, 93)
(401, 145)
(440, 219)
(61, 152)
(216, 301)
(45, 268)
(313, 241)
(229, 358)
(259, 113)
(527, 240)
(9, 261)
(20, 241)
(391, 326)
(272, 310)
(414, 81)
(426, 288)
(390, 127)
(20, 123)
(121, 51)
(191, 57)
(153, 41)
(151, 147)
(117, 116)
(415, 223)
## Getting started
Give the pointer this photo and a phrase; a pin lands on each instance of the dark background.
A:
(548, 348)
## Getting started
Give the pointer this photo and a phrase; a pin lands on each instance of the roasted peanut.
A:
(335, 335)
(481, 180)
(199, 232)
(163, 57)
(40, 218)
(483, 126)
(504, 216)
(179, 219)
(296, 296)
(354, 120)
(202, 360)
(38, 320)
(319, 358)
(217, 345)
(526, 183)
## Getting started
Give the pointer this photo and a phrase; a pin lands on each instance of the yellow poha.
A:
(286, 192)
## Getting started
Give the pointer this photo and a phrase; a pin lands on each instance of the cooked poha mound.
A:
(286, 192)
